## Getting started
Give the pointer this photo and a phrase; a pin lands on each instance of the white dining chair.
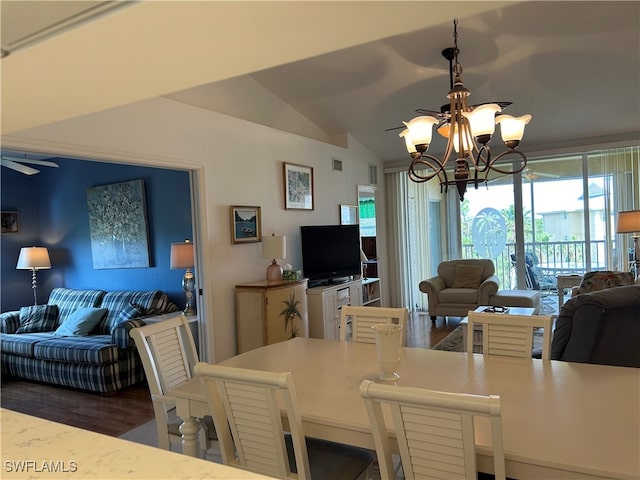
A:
(509, 335)
(168, 354)
(434, 431)
(359, 320)
(246, 411)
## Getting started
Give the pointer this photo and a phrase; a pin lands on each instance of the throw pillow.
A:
(38, 318)
(81, 322)
(129, 312)
(467, 276)
(603, 279)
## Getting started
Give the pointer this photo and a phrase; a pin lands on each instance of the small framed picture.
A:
(245, 224)
(10, 222)
(298, 187)
(348, 215)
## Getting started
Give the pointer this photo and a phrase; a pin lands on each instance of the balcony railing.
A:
(551, 259)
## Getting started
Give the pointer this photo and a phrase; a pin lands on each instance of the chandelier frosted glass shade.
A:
(512, 128)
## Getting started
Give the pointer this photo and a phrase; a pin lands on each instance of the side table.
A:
(566, 281)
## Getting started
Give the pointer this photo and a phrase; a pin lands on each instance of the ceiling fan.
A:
(528, 175)
(532, 175)
(17, 164)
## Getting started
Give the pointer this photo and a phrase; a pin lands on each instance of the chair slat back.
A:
(434, 430)
(363, 318)
(246, 412)
(168, 353)
(509, 335)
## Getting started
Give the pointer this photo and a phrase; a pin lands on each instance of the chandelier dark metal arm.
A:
(468, 130)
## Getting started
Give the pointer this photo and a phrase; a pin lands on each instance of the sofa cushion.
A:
(69, 300)
(447, 269)
(92, 349)
(38, 318)
(81, 322)
(467, 276)
(600, 327)
(463, 296)
(23, 344)
(151, 302)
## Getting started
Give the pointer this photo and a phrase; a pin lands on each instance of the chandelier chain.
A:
(457, 68)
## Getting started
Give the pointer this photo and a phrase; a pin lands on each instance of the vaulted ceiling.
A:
(354, 68)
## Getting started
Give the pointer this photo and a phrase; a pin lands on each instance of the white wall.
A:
(237, 163)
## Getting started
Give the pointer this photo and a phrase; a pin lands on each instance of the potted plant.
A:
(290, 312)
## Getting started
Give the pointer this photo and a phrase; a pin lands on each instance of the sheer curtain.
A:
(410, 239)
(622, 167)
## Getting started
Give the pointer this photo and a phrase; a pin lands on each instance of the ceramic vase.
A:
(387, 337)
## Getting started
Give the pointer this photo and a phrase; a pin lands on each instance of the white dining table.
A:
(560, 419)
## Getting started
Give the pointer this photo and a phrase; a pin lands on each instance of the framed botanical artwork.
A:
(348, 215)
(10, 222)
(245, 224)
(118, 225)
(298, 187)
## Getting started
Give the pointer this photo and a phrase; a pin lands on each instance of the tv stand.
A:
(330, 281)
(324, 304)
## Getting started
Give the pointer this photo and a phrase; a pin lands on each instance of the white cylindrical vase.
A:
(387, 337)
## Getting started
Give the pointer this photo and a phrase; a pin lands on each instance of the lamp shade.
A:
(421, 129)
(482, 120)
(33, 258)
(628, 222)
(182, 254)
(274, 247)
(512, 128)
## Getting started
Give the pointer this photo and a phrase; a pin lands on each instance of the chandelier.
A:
(468, 129)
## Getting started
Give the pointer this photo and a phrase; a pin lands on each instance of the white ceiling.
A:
(575, 66)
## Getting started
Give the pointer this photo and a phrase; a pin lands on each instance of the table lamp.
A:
(629, 222)
(33, 258)
(274, 247)
(182, 257)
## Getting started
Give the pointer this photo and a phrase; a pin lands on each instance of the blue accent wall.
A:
(52, 206)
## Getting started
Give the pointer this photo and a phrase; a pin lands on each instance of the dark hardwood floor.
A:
(116, 414)
(108, 414)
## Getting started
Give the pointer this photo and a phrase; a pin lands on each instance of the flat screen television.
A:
(330, 252)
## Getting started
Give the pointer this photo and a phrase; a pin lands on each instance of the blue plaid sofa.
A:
(103, 361)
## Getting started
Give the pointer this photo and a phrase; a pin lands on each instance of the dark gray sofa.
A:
(600, 327)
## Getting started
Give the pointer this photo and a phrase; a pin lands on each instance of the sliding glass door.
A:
(555, 218)
(562, 221)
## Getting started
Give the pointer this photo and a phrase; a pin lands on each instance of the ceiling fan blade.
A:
(548, 175)
(394, 128)
(433, 113)
(18, 167)
(43, 163)
(500, 104)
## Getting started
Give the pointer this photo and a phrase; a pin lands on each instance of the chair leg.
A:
(433, 320)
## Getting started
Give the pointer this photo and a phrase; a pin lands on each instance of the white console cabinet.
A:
(325, 303)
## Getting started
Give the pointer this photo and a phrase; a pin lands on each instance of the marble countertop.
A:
(40, 449)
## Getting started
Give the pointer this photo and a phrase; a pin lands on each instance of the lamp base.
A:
(274, 271)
